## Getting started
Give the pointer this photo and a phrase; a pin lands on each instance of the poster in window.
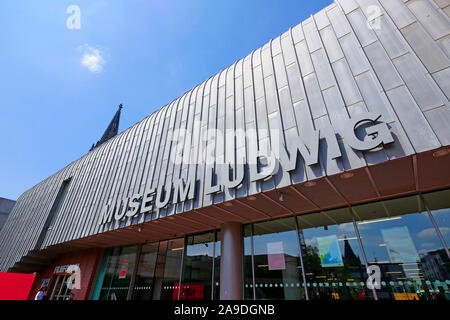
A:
(329, 251)
(275, 256)
(123, 269)
(399, 244)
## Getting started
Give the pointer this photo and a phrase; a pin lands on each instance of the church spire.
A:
(350, 257)
(111, 131)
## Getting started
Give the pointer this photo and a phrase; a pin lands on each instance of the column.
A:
(231, 272)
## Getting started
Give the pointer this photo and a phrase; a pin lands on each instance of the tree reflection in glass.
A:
(334, 266)
(398, 236)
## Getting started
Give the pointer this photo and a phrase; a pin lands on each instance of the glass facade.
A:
(393, 249)
(399, 242)
(193, 261)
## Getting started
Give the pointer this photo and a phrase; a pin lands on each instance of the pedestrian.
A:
(41, 294)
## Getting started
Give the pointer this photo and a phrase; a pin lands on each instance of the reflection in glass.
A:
(167, 272)
(61, 291)
(159, 270)
(217, 253)
(277, 268)
(248, 266)
(143, 286)
(439, 204)
(332, 258)
(399, 237)
(118, 274)
(198, 267)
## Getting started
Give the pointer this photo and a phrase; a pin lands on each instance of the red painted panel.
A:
(15, 286)
(189, 292)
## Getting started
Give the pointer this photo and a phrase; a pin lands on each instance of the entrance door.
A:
(119, 269)
(167, 276)
(200, 267)
(61, 291)
(158, 272)
(162, 265)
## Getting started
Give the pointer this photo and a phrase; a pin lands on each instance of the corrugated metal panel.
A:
(354, 56)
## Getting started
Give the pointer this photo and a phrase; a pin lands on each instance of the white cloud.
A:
(92, 58)
(310, 242)
(347, 227)
(431, 232)
(428, 245)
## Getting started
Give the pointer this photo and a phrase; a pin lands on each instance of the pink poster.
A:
(123, 270)
(275, 255)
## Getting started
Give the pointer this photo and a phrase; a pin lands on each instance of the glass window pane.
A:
(197, 267)
(332, 258)
(248, 268)
(143, 287)
(111, 265)
(67, 291)
(159, 270)
(217, 267)
(118, 274)
(439, 204)
(170, 281)
(277, 265)
(56, 288)
(398, 236)
(61, 293)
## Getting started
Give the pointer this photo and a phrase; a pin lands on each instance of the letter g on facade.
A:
(378, 131)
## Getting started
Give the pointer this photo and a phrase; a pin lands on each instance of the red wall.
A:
(88, 261)
(15, 286)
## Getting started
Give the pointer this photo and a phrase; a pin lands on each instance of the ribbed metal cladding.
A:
(323, 71)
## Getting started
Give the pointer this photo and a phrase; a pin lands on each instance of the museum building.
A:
(317, 167)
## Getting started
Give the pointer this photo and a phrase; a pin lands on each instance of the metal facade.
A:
(319, 73)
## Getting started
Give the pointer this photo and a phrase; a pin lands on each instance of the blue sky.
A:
(60, 88)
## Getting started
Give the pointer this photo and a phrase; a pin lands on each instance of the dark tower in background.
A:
(6, 206)
(350, 257)
(111, 131)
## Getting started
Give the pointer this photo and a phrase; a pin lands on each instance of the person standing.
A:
(41, 294)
